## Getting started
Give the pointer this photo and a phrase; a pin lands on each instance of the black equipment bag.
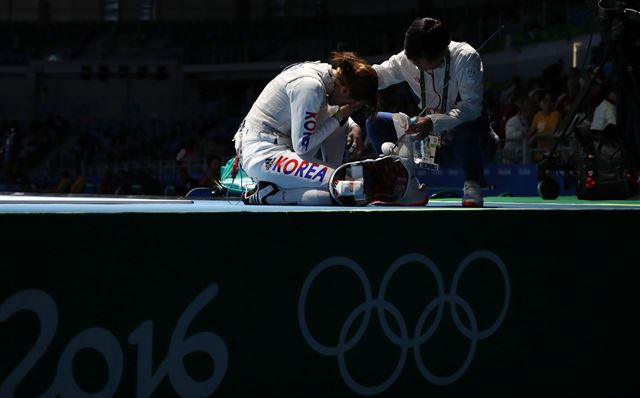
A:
(604, 172)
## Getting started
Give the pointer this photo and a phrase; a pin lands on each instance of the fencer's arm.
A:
(305, 98)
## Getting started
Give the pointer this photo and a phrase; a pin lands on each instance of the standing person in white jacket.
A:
(446, 77)
(296, 132)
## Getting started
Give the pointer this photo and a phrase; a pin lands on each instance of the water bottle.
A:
(424, 151)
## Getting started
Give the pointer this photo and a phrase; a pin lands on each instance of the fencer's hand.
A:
(422, 127)
(346, 110)
(355, 141)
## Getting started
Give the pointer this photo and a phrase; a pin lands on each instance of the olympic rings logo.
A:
(404, 341)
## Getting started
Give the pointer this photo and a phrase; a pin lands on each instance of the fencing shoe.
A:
(258, 194)
(472, 194)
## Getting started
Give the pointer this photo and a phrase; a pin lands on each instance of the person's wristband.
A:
(340, 121)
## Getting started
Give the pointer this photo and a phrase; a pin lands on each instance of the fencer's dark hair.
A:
(426, 38)
(359, 76)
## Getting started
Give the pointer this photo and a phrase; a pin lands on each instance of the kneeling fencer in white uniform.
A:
(294, 138)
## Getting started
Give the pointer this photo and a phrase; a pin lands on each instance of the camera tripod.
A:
(548, 187)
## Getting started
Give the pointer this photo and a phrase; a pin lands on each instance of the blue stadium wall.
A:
(501, 180)
(394, 304)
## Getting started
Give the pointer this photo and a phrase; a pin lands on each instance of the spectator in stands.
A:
(212, 171)
(64, 182)
(544, 125)
(605, 113)
(187, 152)
(78, 184)
(294, 136)
(447, 77)
(536, 90)
(567, 100)
(508, 107)
(553, 76)
(511, 93)
(517, 132)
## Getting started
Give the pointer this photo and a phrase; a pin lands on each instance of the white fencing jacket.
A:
(294, 107)
(466, 80)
